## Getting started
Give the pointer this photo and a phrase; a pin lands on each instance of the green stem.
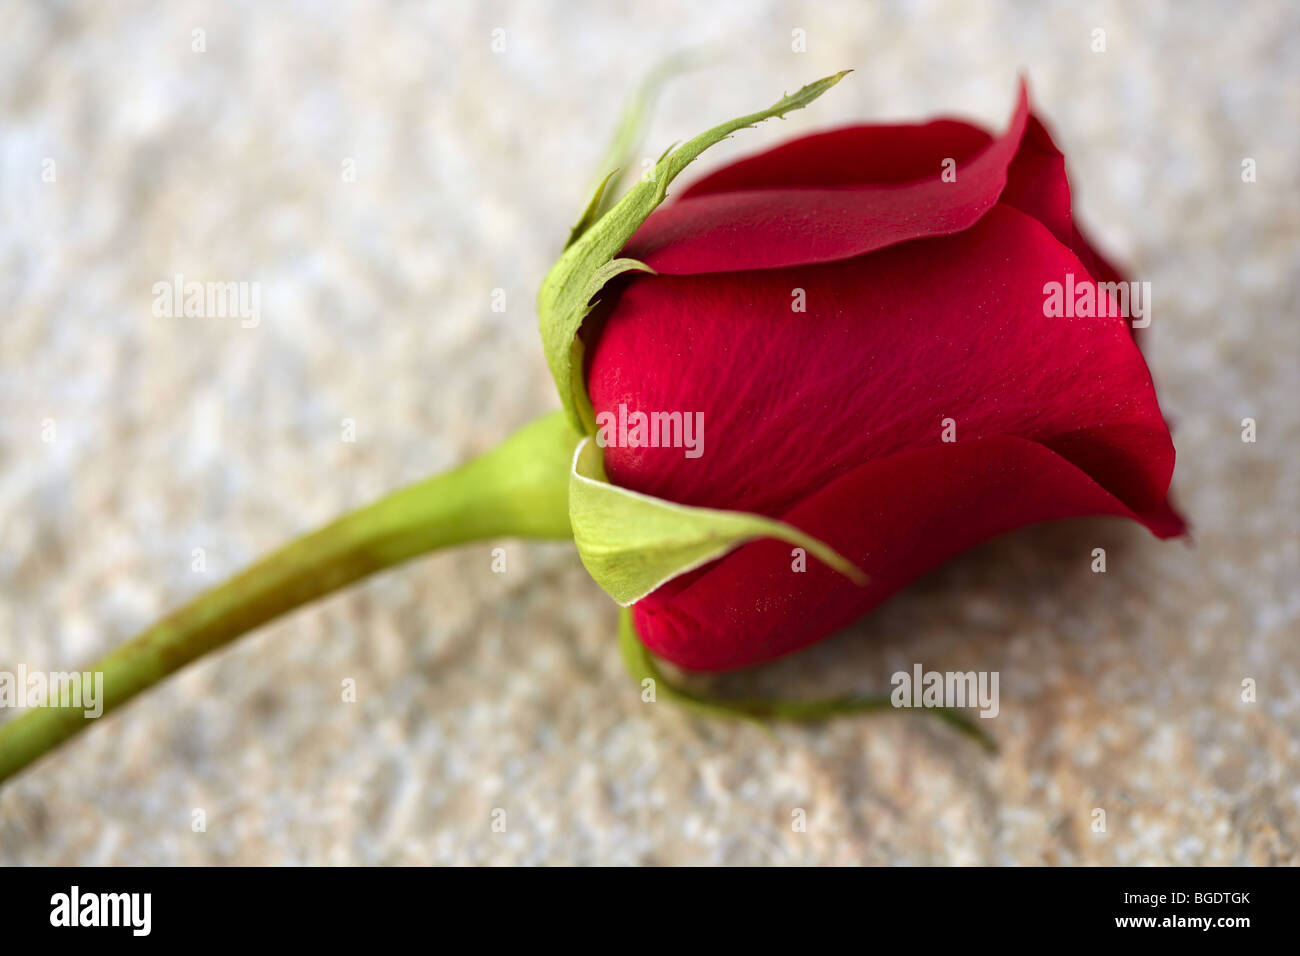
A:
(519, 489)
(641, 666)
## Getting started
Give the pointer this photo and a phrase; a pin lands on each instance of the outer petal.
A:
(890, 346)
(785, 221)
(897, 518)
(1037, 184)
(875, 160)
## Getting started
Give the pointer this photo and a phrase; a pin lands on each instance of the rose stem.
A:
(518, 489)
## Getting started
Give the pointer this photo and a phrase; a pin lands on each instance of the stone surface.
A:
(478, 691)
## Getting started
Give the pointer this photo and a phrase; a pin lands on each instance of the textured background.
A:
(477, 690)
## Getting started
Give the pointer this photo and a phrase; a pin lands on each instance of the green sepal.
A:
(586, 415)
(632, 543)
(640, 664)
(616, 165)
(566, 293)
(592, 212)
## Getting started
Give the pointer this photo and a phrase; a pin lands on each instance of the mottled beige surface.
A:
(1119, 691)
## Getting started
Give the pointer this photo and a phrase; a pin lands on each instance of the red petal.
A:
(1037, 184)
(796, 223)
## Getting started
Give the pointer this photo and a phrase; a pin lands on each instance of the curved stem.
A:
(518, 489)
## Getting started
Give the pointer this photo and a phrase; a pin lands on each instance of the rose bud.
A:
(871, 348)
(860, 321)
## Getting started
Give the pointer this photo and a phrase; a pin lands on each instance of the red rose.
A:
(923, 400)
